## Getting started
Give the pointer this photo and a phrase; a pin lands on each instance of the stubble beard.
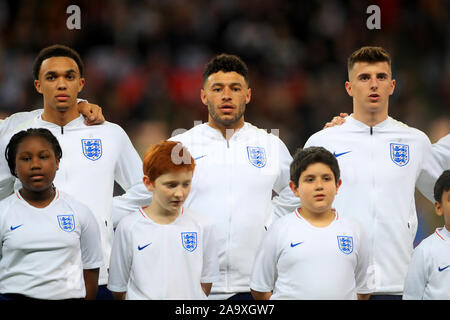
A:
(226, 122)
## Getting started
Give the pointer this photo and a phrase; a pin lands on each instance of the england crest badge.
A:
(345, 244)
(400, 154)
(257, 156)
(66, 222)
(189, 240)
(92, 148)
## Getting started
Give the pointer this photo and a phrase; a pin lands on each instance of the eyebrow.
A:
(223, 84)
(66, 72)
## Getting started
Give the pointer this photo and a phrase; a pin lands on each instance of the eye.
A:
(382, 76)
(50, 77)
(70, 76)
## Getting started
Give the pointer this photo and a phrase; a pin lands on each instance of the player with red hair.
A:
(164, 251)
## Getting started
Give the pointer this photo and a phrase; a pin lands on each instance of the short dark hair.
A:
(226, 63)
(56, 50)
(11, 148)
(368, 54)
(442, 184)
(304, 157)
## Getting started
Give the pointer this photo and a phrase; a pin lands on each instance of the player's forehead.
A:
(58, 65)
(317, 169)
(362, 67)
(180, 175)
(225, 78)
(33, 143)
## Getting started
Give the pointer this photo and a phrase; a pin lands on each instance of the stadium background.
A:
(144, 61)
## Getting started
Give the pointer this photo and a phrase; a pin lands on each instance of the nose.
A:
(35, 163)
(226, 94)
(179, 192)
(319, 184)
(61, 83)
(373, 83)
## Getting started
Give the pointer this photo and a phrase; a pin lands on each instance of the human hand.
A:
(336, 121)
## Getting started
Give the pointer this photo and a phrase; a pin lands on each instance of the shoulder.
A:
(128, 222)
(77, 206)
(413, 132)
(7, 203)
(352, 224)
(284, 222)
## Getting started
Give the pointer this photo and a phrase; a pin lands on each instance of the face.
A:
(36, 164)
(316, 188)
(170, 190)
(226, 95)
(443, 208)
(370, 86)
(59, 82)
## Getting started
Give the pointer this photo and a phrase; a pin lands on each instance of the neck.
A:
(370, 119)
(160, 215)
(60, 117)
(318, 219)
(38, 199)
(226, 130)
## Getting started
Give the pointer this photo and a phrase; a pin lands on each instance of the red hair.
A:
(166, 156)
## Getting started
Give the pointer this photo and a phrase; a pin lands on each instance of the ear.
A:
(392, 87)
(438, 209)
(203, 97)
(148, 184)
(348, 87)
(81, 84)
(37, 85)
(57, 164)
(248, 96)
(293, 187)
(338, 185)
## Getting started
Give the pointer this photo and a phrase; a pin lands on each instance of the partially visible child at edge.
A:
(164, 250)
(428, 275)
(312, 253)
(49, 242)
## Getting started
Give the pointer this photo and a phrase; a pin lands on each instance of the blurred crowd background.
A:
(144, 61)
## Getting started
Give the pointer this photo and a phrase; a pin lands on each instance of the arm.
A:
(120, 262)
(336, 121)
(91, 283)
(118, 295)
(285, 201)
(260, 295)
(430, 170)
(417, 276)
(363, 296)
(92, 112)
(128, 174)
(441, 152)
(206, 287)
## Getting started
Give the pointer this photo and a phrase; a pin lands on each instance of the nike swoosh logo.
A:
(295, 244)
(14, 228)
(143, 247)
(442, 269)
(200, 157)
(340, 154)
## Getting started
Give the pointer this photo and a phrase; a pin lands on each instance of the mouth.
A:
(319, 197)
(374, 97)
(227, 108)
(62, 97)
(36, 177)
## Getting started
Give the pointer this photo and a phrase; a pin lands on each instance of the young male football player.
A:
(382, 161)
(314, 252)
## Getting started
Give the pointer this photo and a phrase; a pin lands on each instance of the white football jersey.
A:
(441, 151)
(93, 157)
(161, 262)
(380, 168)
(297, 260)
(233, 185)
(428, 275)
(43, 251)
